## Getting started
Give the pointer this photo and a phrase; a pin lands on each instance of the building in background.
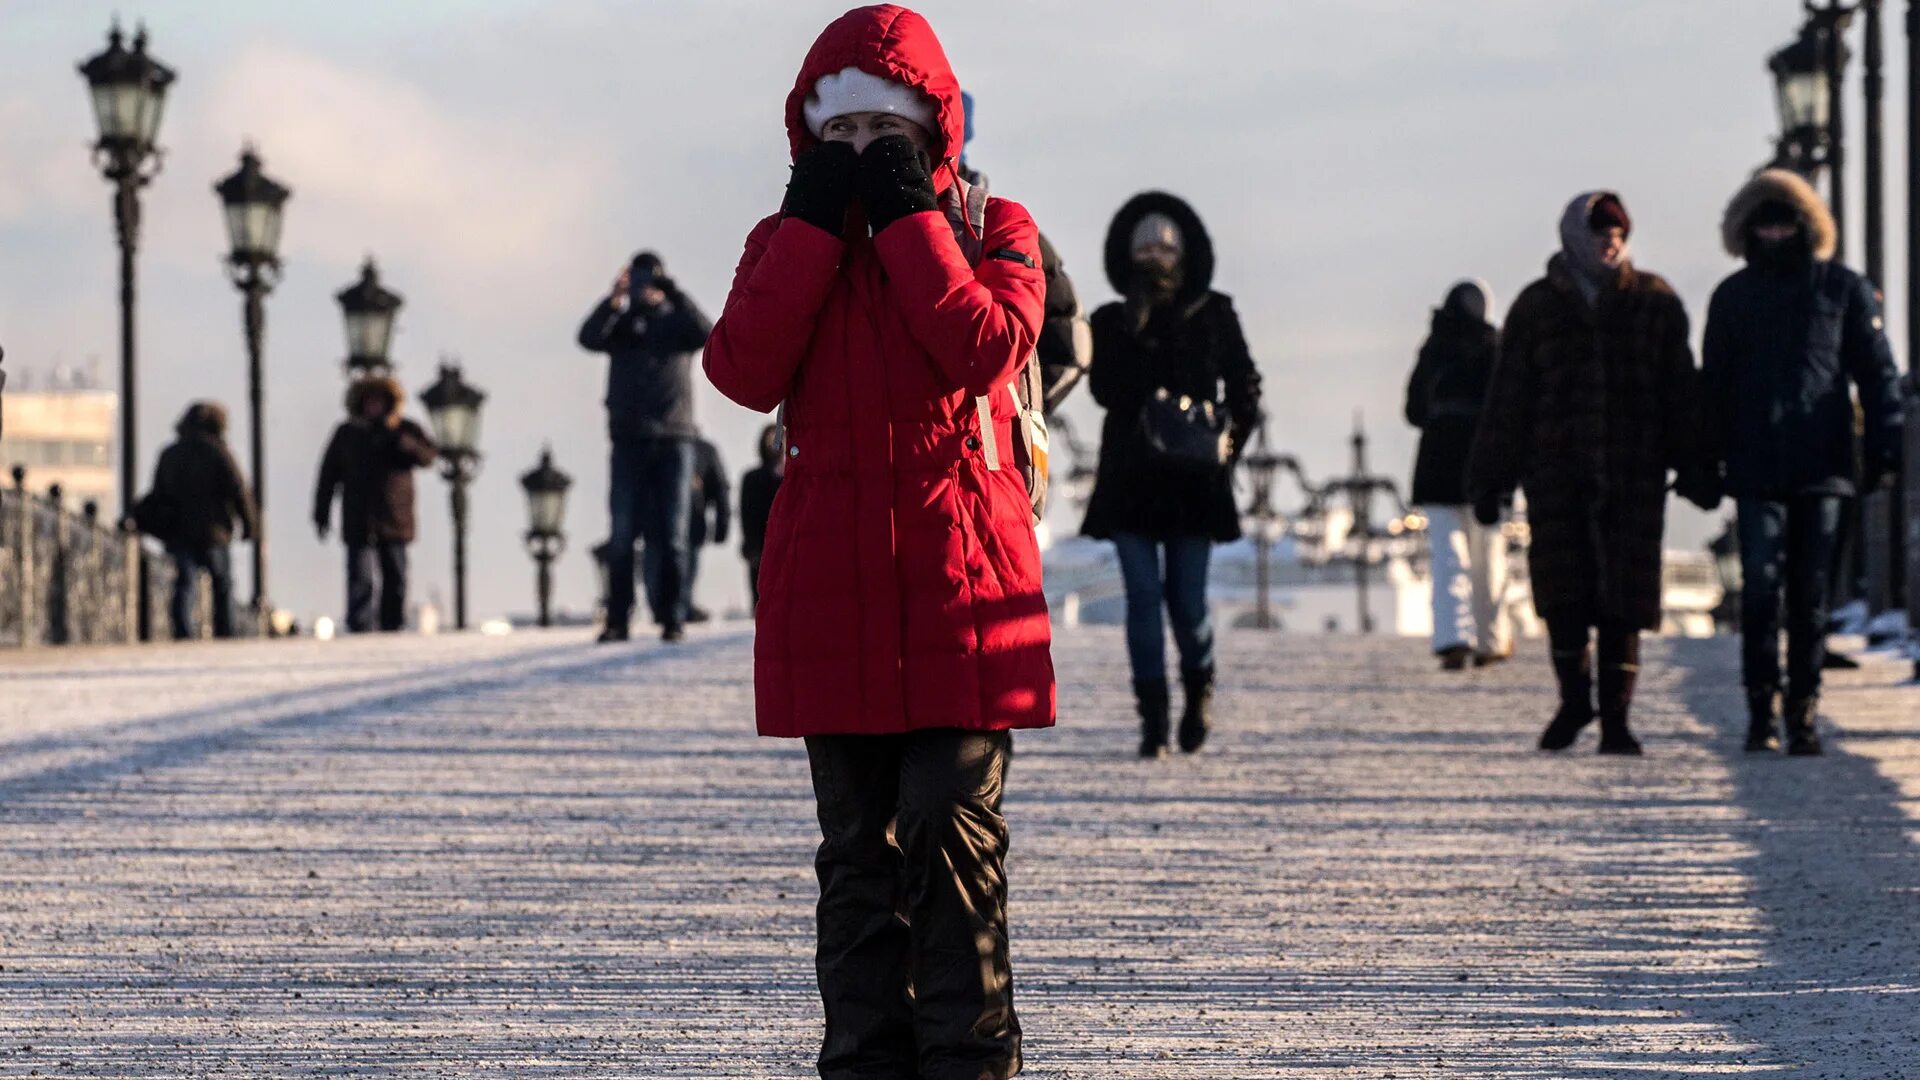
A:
(61, 430)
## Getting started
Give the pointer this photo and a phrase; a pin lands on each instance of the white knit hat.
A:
(851, 90)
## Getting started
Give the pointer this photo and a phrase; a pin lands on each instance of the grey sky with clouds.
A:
(502, 158)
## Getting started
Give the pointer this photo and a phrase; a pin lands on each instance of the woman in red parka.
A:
(888, 307)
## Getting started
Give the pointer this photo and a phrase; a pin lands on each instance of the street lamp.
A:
(546, 489)
(368, 309)
(1802, 98)
(453, 407)
(253, 203)
(129, 88)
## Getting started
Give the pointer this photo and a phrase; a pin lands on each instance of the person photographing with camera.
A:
(649, 331)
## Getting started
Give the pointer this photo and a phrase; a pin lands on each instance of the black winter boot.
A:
(1575, 672)
(1616, 701)
(1198, 717)
(1761, 734)
(1802, 739)
(1150, 696)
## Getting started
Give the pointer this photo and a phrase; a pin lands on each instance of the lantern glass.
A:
(254, 230)
(454, 409)
(545, 511)
(129, 87)
(369, 334)
(117, 107)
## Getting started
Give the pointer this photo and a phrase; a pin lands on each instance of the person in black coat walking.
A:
(757, 489)
(1173, 340)
(1789, 337)
(199, 482)
(709, 516)
(369, 464)
(1468, 559)
(649, 330)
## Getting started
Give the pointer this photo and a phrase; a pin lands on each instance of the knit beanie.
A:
(851, 90)
(1609, 213)
(1157, 229)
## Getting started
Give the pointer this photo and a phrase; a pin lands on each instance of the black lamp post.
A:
(1803, 99)
(253, 203)
(546, 489)
(368, 309)
(129, 88)
(453, 406)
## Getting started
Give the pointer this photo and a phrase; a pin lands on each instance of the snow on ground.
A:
(528, 856)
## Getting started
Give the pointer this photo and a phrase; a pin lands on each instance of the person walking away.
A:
(757, 489)
(649, 330)
(708, 521)
(1182, 396)
(902, 628)
(1469, 560)
(1789, 338)
(369, 464)
(1065, 348)
(200, 483)
(1594, 398)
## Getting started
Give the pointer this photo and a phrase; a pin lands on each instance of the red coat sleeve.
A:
(979, 323)
(778, 289)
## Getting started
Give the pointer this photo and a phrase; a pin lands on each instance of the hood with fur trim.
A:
(1196, 258)
(385, 385)
(1782, 186)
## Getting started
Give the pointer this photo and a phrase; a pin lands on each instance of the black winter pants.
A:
(1790, 543)
(912, 957)
(387, 558)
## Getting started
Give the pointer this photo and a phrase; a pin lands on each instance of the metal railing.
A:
(65, 576)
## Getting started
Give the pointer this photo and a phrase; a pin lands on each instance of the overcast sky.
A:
(502, 158)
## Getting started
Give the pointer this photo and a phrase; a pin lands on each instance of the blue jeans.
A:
(188, 563)
(651, 567)
(389, 559)
(1182, 589)
(1791, 541)
(649, 498)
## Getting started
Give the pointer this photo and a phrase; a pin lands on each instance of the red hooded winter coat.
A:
(900, 584)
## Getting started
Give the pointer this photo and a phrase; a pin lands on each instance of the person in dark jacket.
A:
(1065, 348)
(1594, 398)
(369, 464)
(757, 489)
(709, 515)
(1469, 560)
(200, 482)
(1172, 337)
(649, 330)
(1788, 338)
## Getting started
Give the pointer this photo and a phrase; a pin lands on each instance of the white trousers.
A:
(1469, 581)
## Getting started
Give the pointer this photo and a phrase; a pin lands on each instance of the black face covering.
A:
(1780, 256)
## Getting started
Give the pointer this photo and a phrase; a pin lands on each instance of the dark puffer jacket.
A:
(201, 484)
(650, 364)
(1588, 410)
(1783, 342)
(1194, 346)
(370, 465)
(1444, 398)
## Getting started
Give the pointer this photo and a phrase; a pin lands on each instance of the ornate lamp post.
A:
(129, 88)
(253, 203)
(368, 309)
(546, 489)
(1803, 97)
(453, 406)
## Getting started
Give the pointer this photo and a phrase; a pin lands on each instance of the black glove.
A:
(1487, 508)
(895, 180)
(821, 186)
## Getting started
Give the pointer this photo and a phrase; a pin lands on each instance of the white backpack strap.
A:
(989, 446)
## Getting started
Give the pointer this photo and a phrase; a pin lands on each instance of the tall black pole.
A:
(1834, 50)
(256, 324)
(1874, 204)
(458, 474)
(545, 586)
(126, 220)
(1361, 498)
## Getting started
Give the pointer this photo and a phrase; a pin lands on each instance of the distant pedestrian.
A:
(1593, 400)
(1065, 348)
(1789, 339)
(649, 330)
(1468, 559)
(757, 489)
(369, 464)
(199, 483)
(902, 627)
(709, 515)
(1182, 395)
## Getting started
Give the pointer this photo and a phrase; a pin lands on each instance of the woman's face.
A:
(862, 128)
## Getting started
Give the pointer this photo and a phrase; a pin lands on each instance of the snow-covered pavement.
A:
(528, 856)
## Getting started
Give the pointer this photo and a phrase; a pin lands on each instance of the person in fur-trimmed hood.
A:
(201, 483)
(1788, 338)
(1593, 400)
(369, 464)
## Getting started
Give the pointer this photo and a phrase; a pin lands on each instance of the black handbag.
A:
(1185, 434)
